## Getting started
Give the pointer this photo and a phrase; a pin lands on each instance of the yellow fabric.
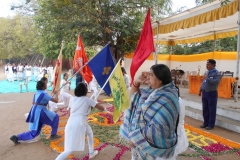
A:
(107, 100)
(193, 57)
(119, 93)
(210, 16)
(224, 88)
(200, 39)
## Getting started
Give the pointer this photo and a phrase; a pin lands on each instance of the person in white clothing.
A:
(14, 68)
(80, 107)
(64, 94)
(20, 72)
(41, 72)
(10, 73)
(94, 86)
(182, 143)
(126, 79)
(50, 72)
(29, 72)
(6, 70)
(36, 72)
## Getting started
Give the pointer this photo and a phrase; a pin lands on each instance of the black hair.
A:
(43, 79)
(162, 72)
(212, 61)
(64, 74)
(81, 89)
(123, 70)
(178, 91)
(40, 85)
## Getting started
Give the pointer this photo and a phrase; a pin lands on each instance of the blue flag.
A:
(102, 66)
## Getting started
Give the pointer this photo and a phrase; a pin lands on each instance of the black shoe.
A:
(52, 137)
(209, 128)
(203, 126)
(14, 139)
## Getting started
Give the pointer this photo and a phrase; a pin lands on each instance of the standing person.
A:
(182, 140)
(20, 71)
(64, 94)
(36, 72)
(28, 72)
(50, 72)
(14, 72)
(80, 107)
(24, 71)
(39, 116)
(41, 72)
(126, 79)
(10, 73)
(209, 93)
(6, 70)
(150, 121)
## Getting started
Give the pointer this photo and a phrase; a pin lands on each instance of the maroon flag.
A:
(145, 46)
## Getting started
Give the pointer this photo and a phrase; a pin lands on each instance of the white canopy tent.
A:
(206, 22)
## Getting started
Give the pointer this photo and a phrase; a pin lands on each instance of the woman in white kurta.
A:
(64, 94)
(50, 72)
(36, 72)
(29, 72)
(182, 143)
(80, 107)
(20, 72)
(94, 86)
(10, 73)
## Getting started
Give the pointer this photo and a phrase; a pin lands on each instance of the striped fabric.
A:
(150, 122)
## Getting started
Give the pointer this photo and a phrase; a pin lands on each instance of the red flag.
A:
(80, 58)
(145, 46)
(57, 72)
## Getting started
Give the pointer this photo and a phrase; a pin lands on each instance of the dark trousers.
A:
(43, 120)
(209, 107)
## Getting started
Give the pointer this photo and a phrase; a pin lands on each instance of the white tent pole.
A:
(238, 57)
(215, 44)
(156, 47)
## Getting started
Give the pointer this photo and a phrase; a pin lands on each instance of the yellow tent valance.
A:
(200, 39)
(210, 16)
(193, 57)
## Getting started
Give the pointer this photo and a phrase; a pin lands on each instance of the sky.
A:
(5, 6)
(180, 3)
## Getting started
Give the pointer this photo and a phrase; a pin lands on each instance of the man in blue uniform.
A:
(209, 94)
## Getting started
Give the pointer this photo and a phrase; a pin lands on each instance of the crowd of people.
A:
(153, 124)
(19, 72)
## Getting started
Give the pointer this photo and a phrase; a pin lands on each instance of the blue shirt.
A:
(212, 81)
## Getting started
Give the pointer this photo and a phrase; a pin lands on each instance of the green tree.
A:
(96, 21)
(200, 2)
(224, 44)
(18, 37)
